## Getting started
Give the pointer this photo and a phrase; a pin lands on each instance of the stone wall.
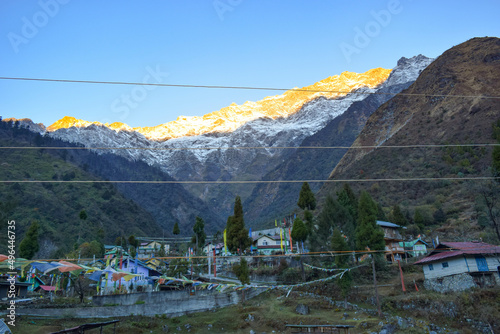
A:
(453, 283)
(169, 303)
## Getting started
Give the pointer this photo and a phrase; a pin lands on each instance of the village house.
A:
(150, 249)
(267, 244)
(143, 281)
(157, 264)
(414, 248)
(392, 237)
(20, 288)
(458, 266)
(209, 248)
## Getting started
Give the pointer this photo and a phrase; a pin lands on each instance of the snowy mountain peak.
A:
(229, 118)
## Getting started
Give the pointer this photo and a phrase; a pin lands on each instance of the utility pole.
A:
(375, 286)
(215, 264)
(209, 255)
(402, 278)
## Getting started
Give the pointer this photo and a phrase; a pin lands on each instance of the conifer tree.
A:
(348, 199)
(176, 230)
(299, 230)
(199, 232)
(133, 241)
(397, 216)
(29, 245)
(161, 251)
(236, 233)
(308, 216)
(339, 244)
(368, 234)
(306, 198)
(345, 284)
(334, 215)
(241, 271)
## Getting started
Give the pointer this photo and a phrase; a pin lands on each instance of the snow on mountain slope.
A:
(215, 155)
(272, 129)
(232, 117)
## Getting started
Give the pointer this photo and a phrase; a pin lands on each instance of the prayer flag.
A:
(225, 242)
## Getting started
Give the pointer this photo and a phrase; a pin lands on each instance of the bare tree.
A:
(489, 199)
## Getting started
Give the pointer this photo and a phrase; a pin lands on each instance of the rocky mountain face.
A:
(450, 104)
(316, 164)
(259, 146)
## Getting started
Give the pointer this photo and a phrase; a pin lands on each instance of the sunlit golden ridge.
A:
(230, 118)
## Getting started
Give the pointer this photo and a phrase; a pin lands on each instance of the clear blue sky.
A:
(205, 42)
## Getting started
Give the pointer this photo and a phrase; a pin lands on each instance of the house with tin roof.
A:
(392, 237)
(458, 266)
(414, 248)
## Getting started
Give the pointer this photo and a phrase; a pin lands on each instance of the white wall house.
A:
(476, 263)
(266, 244)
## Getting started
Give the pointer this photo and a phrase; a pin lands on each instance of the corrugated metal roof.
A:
(387, 224)
(411, 243)
(452, 249)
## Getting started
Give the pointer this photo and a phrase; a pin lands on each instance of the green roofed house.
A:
(414, 248)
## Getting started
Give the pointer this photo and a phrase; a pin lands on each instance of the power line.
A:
(323, 254)
(465, 178)
(243, 87)
(244, 147)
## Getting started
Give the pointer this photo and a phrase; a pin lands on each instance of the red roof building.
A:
(479, 260)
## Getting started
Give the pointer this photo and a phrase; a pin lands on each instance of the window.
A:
(431, 267)
(445, 265)
(264, 242)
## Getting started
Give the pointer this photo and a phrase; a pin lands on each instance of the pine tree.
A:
(121, 241)
(334, 215)
(241, 271)
(306, 198)
(29, 245)
(176, 230)
(161, 252)
(368, 234)
(348, 199)
(299, 230)
(339, 244)
(132, 241)
(199, 232)
(236, 233)
(397, 216)
(308, 216)
(345, 284)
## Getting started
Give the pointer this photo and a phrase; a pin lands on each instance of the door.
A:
(481, 263)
